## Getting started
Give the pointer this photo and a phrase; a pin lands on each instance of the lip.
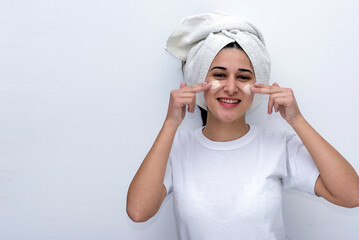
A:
(228, 105)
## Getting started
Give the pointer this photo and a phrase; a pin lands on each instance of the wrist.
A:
(297, 122)
(171, 125)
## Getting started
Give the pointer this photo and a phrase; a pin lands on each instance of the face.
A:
(231, 74)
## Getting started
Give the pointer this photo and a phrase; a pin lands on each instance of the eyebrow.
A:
(239, 69)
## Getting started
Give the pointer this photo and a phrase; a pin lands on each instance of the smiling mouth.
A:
(229, 101)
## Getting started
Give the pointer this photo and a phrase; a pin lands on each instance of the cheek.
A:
(215, 84)
(247, 89)
(214, 88)
(208, 96)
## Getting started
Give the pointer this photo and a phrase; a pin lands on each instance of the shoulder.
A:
(274, 138)
(183, 143)
(272, 134)
(183, 138)
(186, 135)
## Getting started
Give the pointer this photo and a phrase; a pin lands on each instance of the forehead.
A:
(232, 58)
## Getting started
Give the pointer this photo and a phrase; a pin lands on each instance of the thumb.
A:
(275, 84)
(183, 84)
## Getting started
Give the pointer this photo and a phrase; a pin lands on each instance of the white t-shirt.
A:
(233, 190)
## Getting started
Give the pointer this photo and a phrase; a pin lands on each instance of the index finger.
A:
(198, 87)
(265, 89)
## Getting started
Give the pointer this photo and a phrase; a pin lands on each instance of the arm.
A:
(338, 182)
(337, 177)
(147, 192)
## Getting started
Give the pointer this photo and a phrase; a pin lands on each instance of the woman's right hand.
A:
(181, 97)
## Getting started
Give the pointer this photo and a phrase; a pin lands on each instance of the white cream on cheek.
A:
(215, 84)
(247, 88)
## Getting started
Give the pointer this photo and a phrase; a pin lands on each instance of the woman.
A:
(227, 177)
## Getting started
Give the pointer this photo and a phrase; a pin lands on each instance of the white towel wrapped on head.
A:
(198, 39)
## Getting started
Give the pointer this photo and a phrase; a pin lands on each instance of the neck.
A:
(224, 131)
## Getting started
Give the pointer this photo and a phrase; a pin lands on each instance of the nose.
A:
(230, 86)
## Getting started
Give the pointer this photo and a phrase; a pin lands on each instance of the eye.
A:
(219, 75)
(244, 77)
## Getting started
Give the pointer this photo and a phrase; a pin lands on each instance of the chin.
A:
(230, 117)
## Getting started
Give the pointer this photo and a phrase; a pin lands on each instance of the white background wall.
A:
(84, 88)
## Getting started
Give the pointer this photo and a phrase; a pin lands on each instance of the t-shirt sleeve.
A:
(301, 171)
(168, 175)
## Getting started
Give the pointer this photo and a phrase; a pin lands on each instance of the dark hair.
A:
(234, 45)
(203, 116)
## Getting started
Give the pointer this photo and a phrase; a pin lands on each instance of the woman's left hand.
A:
(282, 99)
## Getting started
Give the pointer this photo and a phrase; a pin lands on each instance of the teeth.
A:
(228, 101)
